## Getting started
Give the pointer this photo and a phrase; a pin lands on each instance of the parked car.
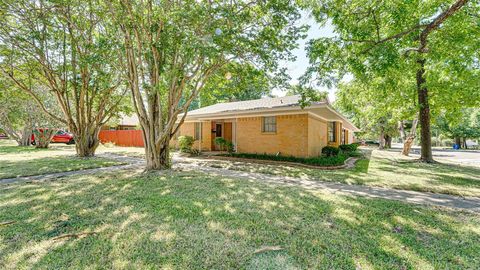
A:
(60, 137)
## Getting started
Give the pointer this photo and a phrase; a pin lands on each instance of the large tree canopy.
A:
(464, 124)
(172, 49)
(235, 82)
(69, 47)
(432, 47)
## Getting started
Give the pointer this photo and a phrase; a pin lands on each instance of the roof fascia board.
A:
(248, 112)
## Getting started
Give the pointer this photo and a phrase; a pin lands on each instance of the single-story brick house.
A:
(269, 125)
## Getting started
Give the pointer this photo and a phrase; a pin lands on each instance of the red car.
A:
(60, 137)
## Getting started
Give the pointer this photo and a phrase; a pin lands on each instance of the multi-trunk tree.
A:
(67, 47)
(437, 41)
(172, 48)
(20, 115)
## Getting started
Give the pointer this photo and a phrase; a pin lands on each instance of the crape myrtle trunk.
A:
(157, 155)
(25, 138)
(86, 141)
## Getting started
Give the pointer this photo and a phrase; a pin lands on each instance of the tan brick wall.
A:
(298, 135)
(291, 137)
(188, 129)
(317, 136)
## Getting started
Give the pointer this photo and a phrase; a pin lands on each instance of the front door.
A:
(218, 133)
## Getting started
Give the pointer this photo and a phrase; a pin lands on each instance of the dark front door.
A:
(218, 130)
(218, 133)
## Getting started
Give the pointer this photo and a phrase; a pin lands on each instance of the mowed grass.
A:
(184, 220)
(379, 168)
(16, 161)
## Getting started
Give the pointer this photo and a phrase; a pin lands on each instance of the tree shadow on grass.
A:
(190, 220)
(18, 168)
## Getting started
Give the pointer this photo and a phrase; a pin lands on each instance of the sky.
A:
(297, 68)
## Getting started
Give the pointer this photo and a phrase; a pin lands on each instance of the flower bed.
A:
(321, 161)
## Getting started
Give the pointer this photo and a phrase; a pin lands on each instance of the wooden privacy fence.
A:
(122, 137)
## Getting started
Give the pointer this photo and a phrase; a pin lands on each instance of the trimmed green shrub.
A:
(224, 144)
(230, 147)
(315, 161)
(185, 143)
(221, 142)
(348, 147)
(330, 151)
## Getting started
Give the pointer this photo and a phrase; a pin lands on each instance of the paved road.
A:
(462, 157)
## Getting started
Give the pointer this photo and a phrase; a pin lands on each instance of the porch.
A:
(205, 133)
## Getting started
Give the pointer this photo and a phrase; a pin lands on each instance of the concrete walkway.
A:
(426, 198)
(132, 163)
(191, 164)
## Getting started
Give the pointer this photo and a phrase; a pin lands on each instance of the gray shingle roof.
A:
(256, 104)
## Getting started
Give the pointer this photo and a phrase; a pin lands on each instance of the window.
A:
(198, 131)
(269, 124)
(344, 136)
(332, 131)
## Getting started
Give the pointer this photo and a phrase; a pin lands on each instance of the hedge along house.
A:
(269, 125)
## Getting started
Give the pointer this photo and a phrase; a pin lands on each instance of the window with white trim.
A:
(269, 124)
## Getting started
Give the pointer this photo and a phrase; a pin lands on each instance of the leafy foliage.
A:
(406, 51)
(467, 125)
(185, 143)
(174, 48)
(235, 82)
(330, 151)
(334, 160)
(348, 148)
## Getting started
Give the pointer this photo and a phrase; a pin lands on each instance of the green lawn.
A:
(380, 168)
(180, 220)
(26, 161)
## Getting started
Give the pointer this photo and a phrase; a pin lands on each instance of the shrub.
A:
(348, 147)
(230, 147)
(224, 144)
(221, 142)
(185, 143)
(330, 151)
(315, 161)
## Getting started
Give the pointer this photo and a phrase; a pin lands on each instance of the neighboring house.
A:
(126, 122)
(269, 125)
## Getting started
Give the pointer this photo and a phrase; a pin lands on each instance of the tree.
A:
(68, 47)
(20, 116)
(172, 49)
(16, 114)
(465, 125)
(374, 38)
(235, 82)
(373, 107)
